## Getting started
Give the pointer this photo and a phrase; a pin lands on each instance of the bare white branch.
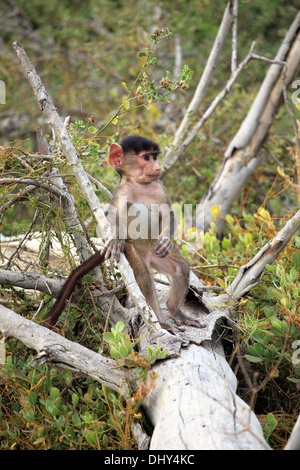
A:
(31, 280)
(205, 78)
(54, 347)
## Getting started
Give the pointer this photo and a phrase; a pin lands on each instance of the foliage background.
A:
(83, 52)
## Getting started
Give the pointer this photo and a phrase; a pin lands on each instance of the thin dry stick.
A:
(17, 250)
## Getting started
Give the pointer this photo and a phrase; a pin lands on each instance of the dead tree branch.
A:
(202, 86)
(242, 155)
(52, 347)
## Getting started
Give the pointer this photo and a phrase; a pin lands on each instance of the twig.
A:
(16, 197)
(242, 154)
(170, 160)
(35, 182)
(29, 155)
(23, 239)
(178, 56)
(100, 185)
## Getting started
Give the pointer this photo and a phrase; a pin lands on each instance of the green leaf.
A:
(75, 399)
(61, 420)
(270, 267)
(119, 327)
(123, 351)
(277, 324)
(112, 397)
(282, 281)
(92, 438)
(254, 351)
(226, 243)
(108, 337)
(54, 393)
(115, 354)
(128, 345)
(28, 415)
(296, 259)
(68, 377)
(293, 275)
(285, 302)
(292, 379)
(253, 358)
(162, 355)
(9, 360)
(105, 440)
(76, 419)
(272, 421)
(295, 292)
(88, 417)
(32, 397)
(269, 312)
(51, 408)
(69, 433)
(229, 219)
(274, 294)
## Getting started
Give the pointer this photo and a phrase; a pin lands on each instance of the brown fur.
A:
(137, 164)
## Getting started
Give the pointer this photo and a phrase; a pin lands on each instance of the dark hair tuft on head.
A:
(138, 144)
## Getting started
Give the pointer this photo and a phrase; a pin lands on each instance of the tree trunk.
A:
(194, 404)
